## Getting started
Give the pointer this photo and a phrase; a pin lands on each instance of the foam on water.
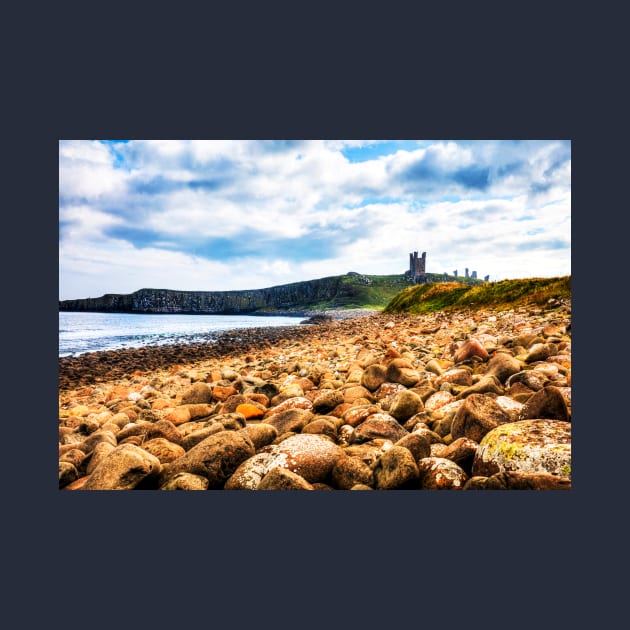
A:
(92, 332)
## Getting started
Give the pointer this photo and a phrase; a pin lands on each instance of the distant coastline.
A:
(352, 291)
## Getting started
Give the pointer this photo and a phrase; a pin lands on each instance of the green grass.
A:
(448, 296)
(355, 292)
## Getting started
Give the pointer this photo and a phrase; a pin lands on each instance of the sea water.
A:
(91, 332)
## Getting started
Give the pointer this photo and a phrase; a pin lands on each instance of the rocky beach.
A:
(464, 400)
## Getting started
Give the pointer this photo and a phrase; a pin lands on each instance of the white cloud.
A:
(86, 171)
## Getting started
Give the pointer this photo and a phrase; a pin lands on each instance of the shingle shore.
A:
(467, 400)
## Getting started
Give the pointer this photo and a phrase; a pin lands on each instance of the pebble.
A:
(478, 401)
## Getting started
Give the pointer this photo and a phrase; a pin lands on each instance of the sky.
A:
(218, 215)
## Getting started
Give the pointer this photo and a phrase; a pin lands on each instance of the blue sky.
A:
(211, 215)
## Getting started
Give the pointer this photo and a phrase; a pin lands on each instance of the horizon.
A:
(217, 215)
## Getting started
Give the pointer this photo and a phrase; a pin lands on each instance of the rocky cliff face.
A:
(293, 298)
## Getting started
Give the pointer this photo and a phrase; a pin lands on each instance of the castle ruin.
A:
(417, 267)
(417, 271)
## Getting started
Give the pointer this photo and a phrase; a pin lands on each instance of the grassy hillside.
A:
(448, 296)
(361, 291)
(374, 292)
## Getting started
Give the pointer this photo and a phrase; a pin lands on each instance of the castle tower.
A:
(417, 266)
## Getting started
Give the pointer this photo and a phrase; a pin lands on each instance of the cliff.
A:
(350, 291)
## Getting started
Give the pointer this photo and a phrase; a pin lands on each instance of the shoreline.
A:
(89, 367)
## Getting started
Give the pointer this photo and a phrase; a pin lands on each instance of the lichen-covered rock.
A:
(478, 415)
(529, 446)
(215, 458)
(126, 468)
(438, 473)
(249, 474)
(185, 481)
(310, 456)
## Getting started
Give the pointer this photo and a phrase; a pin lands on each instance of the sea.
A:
(93, 332)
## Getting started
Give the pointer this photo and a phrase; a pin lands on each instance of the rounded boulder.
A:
(529, 446)
(125, 468)
(215, 458)
(309, 455)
